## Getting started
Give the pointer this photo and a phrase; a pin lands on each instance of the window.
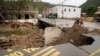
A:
(65, 10)
(74, 10)
(26, 16)
(19, 16)
(32, 15)
(69, 10)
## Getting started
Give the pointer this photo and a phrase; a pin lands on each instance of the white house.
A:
(66, 11)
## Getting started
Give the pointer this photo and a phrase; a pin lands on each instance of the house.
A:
(24, 14)
(47, 10)
(65, 11)
(97, 15)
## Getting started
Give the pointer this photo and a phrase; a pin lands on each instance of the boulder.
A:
(4, 39)
(51, 34)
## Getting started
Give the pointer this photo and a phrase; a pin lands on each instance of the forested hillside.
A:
(90, 7)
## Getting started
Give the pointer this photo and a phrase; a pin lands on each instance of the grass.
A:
(16, 32)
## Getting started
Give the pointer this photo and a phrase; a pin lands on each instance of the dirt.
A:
(96, 31)
(24, 36)
(35, 39)
(72, 35)
(14, 41)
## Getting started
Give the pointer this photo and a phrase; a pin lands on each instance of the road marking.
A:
(51, 51)
(29, 50)
(9, 50)
(47, 53)
(94, 53)
(36, 54)
(6, 55)
(56, 54)
(17, 53)
(33, 49)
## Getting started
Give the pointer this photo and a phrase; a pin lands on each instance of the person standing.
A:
(76, 22)
(81, 20)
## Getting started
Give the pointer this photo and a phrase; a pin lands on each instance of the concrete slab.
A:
(69, 23)
(59, 50)
(95, 46)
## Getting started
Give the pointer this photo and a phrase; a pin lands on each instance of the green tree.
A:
(12, 5)
(91, 10)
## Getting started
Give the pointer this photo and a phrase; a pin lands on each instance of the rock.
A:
(13, 35)
(95, 31)
(5, 42)
(4, 39)
(72, 35)
(51, 34)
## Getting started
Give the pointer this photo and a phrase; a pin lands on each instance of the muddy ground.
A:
(72, 35)
(36, 39)
(15, 41)
(24, 36)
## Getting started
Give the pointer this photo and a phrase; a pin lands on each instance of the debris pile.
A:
(15, 41)
(36, 38)
(72, 35)
(51, 34)
(5, 42)
(96, 31)
(21, 25)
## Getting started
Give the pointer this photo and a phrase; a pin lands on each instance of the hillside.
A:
(44, 5)
(91, 2)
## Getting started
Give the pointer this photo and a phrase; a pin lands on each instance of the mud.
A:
(73, 35)
(36, 39)
(96, 31)
(15, 41)
(19, 35)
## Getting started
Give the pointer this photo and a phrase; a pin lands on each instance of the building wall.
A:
(23, 14)
(54, 9)
(98, 9)
(68, 12)
(26, 0)
(47, 10)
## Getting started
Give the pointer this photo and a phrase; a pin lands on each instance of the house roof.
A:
(97, 12)
(65, 5)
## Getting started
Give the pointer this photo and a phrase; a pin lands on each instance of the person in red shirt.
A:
(81, 20)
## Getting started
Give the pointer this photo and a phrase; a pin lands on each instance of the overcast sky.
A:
(67, 2)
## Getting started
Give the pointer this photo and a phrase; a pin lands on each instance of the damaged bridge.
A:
(63, 23)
